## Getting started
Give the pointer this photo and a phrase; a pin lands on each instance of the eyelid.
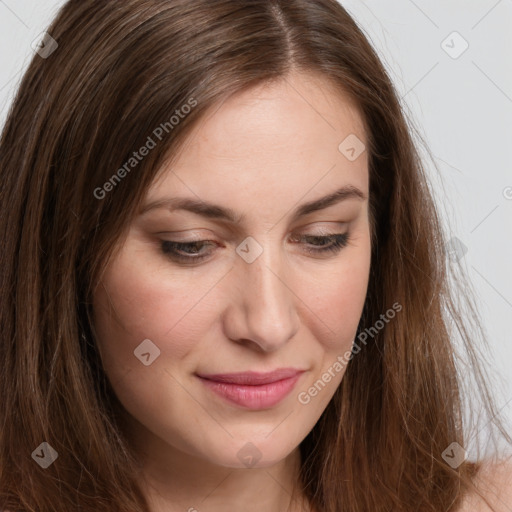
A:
(323, 230)
(333, 227)
(186, 234)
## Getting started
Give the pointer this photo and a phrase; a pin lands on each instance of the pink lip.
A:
(253, 390)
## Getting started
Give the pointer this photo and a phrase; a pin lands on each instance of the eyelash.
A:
(338, 242)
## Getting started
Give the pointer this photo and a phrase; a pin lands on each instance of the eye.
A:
(188, 252)
(191, 252)
(325, 243)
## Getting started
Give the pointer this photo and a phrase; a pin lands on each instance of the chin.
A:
(252, 454)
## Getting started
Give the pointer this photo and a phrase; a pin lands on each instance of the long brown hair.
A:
(122, 69)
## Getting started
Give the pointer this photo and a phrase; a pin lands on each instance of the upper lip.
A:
(252, 378)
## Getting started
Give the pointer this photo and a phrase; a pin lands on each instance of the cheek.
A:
(338, 296)
(137, 301)
(338, 304)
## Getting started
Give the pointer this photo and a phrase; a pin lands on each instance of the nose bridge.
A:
(268, 301)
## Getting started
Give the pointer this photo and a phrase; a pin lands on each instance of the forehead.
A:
(276, 136)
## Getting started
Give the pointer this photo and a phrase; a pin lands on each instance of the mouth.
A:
(253, 390)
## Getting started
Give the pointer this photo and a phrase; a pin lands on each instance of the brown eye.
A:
(189, 252)
(325, 243)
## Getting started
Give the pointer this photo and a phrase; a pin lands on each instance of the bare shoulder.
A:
(495, 483)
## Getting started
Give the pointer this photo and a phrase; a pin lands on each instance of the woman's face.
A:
(258, 296)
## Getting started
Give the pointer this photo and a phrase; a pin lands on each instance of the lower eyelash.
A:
(338, 241)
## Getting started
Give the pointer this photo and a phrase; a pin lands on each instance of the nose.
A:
(263, 312)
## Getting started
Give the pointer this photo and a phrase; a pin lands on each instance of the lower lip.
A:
(253, 397)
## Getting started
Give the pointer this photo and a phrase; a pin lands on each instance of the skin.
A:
(262, 153)
(495, 484)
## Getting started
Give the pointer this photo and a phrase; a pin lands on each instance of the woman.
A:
(223, 277)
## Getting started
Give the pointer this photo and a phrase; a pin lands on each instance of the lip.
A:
(253, 390)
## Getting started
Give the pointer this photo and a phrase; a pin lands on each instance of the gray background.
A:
(462, 107)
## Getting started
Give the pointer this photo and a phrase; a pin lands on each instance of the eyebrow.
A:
(214, 211)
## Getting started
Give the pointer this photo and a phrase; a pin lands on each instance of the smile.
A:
(253, 390)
